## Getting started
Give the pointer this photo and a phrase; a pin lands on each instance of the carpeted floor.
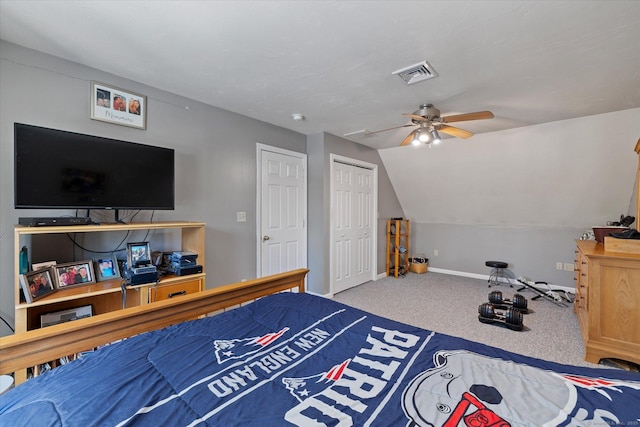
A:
(449, 304)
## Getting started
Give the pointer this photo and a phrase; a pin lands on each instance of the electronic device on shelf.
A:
(50, 221)
(183, 263)
(140, 268)
(68, 315)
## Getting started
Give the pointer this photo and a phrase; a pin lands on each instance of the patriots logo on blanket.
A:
(239, 348)
(468, 389)
(302, 388)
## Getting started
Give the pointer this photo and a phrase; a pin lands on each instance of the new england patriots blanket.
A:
(301, 360)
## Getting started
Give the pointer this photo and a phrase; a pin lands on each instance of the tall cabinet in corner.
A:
(397, 256)
(106, 296)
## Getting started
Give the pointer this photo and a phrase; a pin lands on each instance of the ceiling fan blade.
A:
(408, 139)
(415, 117)
(457, 132)
(384, 130)
(479, 115)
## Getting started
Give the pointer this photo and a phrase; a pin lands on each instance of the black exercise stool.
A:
(497, 272)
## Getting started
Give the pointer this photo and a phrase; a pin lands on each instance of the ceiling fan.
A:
(429, 123)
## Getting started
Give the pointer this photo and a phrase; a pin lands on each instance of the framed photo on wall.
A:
(37, 284)
(106, 268)
(74, 274)
(119, 106)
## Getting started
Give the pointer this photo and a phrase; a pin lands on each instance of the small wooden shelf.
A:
(397, 263)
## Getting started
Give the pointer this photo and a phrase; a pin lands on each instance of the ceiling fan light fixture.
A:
(422, 136)
(436, 136)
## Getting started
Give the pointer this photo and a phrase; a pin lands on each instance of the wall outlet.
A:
(558, 266)
(435, 252)
(568, 266)
(241, 217)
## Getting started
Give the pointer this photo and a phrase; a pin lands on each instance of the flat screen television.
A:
(56, 169)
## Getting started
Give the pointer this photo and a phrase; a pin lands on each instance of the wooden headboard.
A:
(38, 346)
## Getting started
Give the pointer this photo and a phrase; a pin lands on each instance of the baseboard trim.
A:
(502, 279)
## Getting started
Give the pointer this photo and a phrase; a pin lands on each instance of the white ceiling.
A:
(528, 62)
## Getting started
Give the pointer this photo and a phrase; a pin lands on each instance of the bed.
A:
(292, 358)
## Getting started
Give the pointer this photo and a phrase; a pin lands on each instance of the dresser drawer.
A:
(174, 290)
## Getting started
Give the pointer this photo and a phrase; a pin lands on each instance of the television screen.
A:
(56, 169)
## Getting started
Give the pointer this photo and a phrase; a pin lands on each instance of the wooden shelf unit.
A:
(397, 263)
(106, 296)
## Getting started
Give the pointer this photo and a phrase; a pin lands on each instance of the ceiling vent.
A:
(416, 73)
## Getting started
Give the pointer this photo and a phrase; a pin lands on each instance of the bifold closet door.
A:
(352, 225)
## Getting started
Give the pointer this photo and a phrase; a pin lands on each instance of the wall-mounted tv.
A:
(56, 169)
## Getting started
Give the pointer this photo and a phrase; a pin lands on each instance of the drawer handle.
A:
(176, 294)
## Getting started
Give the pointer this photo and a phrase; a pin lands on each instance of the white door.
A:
(282, 210)
(353, 193)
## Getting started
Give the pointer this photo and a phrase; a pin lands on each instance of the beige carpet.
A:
(449, 304)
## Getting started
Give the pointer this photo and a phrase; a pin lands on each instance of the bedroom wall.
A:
(215, 156)
(215, 166)
(521, 196)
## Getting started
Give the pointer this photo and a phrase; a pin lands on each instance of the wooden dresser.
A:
(608, 295)
(608, 302)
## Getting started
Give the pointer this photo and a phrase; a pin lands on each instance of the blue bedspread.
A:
(297, 359)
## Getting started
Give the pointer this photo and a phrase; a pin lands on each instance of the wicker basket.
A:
(418, 267)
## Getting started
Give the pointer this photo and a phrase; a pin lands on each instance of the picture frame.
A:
(106, 268)
(38, 284)
(41, 265)
(74, 274)
(118, 106)
(138, 254)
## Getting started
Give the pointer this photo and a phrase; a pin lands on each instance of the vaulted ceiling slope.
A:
(529, 62)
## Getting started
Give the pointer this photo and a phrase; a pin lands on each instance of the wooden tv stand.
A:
(106, 296)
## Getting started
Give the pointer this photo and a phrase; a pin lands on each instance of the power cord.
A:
(8, 325)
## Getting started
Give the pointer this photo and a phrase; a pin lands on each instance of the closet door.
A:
(352, 223)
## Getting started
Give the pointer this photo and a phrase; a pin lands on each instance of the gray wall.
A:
(215, 157)
(528, 251)
(215, 167)
(522, 196)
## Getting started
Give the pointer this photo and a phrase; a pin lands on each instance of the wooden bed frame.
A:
(38, 346)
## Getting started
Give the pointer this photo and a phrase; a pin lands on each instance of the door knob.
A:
(265, 238)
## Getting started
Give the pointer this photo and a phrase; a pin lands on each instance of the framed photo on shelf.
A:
(37, 284)
(106, 268)
(74, 274)
(118, 106)
(41, 265)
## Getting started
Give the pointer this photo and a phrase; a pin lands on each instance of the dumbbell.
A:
(518, 302)
(511, 318)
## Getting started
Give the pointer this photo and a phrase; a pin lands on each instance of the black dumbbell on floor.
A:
(511, 318)
(518, 302)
